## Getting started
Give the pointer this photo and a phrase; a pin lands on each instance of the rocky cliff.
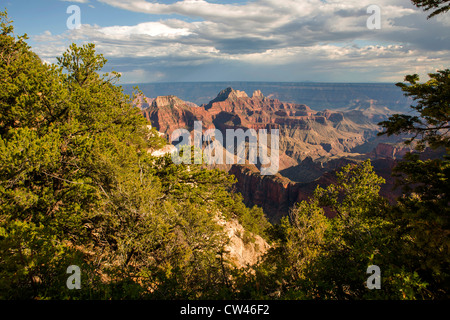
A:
(169, 113)
(244, 248)
(303, 131)
(277, 194)
(313, 144)
(385, 150)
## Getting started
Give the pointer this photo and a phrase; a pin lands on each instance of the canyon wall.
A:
(313, 144)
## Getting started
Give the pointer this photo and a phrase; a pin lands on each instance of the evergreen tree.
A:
(423, 211)
(79, 187)
(316, 257)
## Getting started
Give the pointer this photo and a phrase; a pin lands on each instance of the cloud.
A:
(141, 76)
(313, 37)
(152, 29)
(77, 1)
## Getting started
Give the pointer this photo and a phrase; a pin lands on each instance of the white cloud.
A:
(77, 1)
(444, 19)
(153, 29)
(312, 34)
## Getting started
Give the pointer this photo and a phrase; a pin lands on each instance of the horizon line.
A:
(255, 81)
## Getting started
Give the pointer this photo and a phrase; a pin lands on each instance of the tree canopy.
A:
(78, 187)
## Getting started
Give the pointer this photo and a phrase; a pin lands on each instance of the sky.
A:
(238, 40)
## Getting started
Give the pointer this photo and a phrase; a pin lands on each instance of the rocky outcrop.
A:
(167, 149)
(269, 192)
(303, 131)
(257, 94)
(169, 113)
(277, 194)
(368, 109)
(312, 143)
(385, 150)
(244, 248)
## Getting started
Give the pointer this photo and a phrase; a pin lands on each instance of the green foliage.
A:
(79, 187)
(33, 261)
(315, 257)
(431, 124)
(253, 220)
(423, 212)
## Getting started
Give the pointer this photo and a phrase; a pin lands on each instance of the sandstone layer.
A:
(313, 144)
(303, 132)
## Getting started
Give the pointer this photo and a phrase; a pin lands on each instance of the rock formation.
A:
(385, 150)
(244, 248)
(313, 144)
(303, 131)
(277, 194)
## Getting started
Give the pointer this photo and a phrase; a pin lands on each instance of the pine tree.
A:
(79, 187)
(423, 211)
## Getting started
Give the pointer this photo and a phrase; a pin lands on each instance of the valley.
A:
(313, 144)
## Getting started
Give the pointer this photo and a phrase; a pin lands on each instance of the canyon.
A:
(312, 144)
(317, 95)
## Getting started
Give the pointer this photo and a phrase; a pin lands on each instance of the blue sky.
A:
(237, 40)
